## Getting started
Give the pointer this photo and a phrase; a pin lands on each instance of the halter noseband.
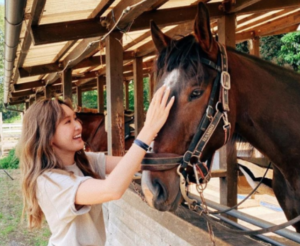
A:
(208, 124)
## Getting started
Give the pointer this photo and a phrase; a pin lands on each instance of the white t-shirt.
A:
(56, 192)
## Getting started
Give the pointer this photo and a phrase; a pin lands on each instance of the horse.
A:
(264, 109)
(94, 134)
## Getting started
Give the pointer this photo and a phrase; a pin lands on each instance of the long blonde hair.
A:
(36, 154)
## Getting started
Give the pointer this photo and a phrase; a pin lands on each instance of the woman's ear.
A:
(160, 40)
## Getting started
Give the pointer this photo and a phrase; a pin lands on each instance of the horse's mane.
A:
(274, 68)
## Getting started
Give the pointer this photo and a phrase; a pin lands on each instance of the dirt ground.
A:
(12, 231)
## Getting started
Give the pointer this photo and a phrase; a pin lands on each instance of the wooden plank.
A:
(73, 30)
(270, 5)
(100, 93)
(138, 95)
(115, 108)
(228, 184)
(274, 26)
(67, 84)
(101, 8)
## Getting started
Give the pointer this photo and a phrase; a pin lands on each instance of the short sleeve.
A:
(58, 190)
(98, 162)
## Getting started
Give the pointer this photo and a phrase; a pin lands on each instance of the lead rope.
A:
(121, 134)
(200, 187)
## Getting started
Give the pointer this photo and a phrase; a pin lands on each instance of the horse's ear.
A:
(202, 29)
(160, 40)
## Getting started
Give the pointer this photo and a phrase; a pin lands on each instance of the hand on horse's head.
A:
(159, 109)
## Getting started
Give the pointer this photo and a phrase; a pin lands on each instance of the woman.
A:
(66, 185)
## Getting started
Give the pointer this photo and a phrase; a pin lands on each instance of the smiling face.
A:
(67, 138)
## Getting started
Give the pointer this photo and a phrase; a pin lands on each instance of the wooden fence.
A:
(9, 135)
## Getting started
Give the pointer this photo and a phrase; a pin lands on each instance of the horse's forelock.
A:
(183, 54)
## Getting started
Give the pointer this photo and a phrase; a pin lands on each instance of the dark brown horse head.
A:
(190, 81)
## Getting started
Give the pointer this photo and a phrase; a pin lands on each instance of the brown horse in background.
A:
(94, 134)
(264, 104)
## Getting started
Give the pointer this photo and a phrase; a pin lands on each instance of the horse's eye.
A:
(196, 94)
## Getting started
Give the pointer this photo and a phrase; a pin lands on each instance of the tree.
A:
(290, 50)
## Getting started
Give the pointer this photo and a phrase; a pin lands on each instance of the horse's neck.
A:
(267, 103)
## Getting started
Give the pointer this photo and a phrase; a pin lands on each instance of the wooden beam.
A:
(56, 67)
(115, 108)
(29, 85)
(138, 95)
(241, 4)
(265, 29)
(101, 8)
(100, 93)
(88, 28)
(269, 6)
(22, 93)
(67, 84)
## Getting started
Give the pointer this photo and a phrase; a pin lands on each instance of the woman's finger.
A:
(170, 103)
(165, 97)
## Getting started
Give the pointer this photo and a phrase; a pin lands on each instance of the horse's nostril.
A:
(161, 194)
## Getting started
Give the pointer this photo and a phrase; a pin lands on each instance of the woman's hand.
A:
(159, 109)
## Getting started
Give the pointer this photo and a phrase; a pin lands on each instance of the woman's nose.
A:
(77, 125)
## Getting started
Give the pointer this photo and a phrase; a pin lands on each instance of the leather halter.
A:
(208, 124)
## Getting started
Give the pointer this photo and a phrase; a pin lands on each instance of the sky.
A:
(1, 2)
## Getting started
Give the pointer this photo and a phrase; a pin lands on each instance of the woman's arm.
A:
(111, 163)
(94, 191)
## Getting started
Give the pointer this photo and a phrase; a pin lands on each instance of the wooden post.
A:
(100, 93)
(254, 46)
(114, 89)
(228, 185)
(67, 84)
(31, 101)
(79, 96)
(152, 78)
(26, 105)
(47, 91)
(126, 85)
(138, 94)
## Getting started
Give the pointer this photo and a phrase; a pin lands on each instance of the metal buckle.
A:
(209, 112)
(225, 80)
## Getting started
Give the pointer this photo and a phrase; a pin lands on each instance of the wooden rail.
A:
(9, 135)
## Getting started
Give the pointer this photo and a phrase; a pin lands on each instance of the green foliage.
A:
(10, 162)
(89, 98)
(290, 50)
(270, 47)
(243, 47)
(146, 94)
